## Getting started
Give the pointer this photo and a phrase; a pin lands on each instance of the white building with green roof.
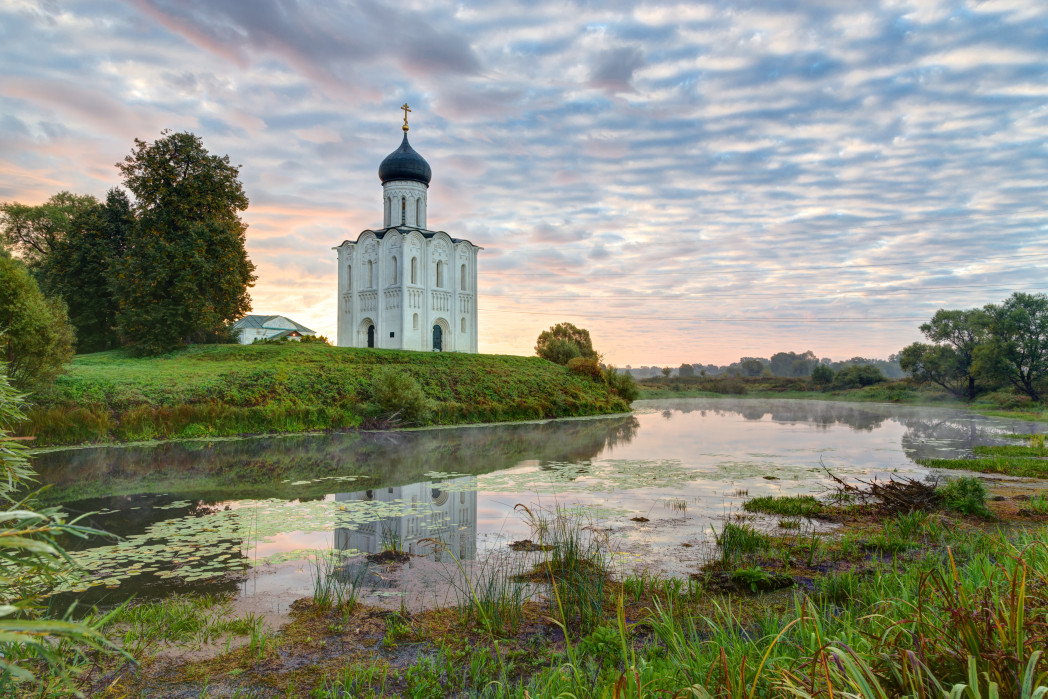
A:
(257, 327)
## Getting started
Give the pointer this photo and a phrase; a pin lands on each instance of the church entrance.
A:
(438, 339)
(371, 336)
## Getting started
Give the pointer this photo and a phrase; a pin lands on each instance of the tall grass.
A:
(336, 580)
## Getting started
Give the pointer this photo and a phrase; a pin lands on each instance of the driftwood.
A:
(893, 496)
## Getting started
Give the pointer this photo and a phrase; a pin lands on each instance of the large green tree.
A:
(34, 231)
(950, 360)
(36, 340)
(563, 342)
(185, 272)
(1017, 349)
(82, 265)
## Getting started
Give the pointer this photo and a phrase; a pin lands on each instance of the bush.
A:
(559, 351)
(35, 336)
(587, 366)
(822, 375)
(397, 392)
(621, 384)
(857, 376)
(966, 495)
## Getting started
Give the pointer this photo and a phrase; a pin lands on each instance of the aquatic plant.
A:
(966, 494)
(785, 505)
(32, 636)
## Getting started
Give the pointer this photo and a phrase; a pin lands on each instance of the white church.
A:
(404, 286)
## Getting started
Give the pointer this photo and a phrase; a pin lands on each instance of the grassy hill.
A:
(223, 390)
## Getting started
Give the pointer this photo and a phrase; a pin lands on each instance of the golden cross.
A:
(406, 109)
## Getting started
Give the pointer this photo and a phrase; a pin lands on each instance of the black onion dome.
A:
(405, 164)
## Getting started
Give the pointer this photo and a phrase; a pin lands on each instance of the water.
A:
(241, 515)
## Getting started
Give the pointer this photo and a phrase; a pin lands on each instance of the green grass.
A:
(1009, 450)
(785, 505)
(1012, 466)
(220, 390)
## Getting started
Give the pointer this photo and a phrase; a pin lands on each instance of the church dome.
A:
(405, 164)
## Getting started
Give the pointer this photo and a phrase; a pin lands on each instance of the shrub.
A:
(559, 351)
(966, 494)
(822, 375)
(587, 366)
(857, 376)
(399, 393)
(622, 384)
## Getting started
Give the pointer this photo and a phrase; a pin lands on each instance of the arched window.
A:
(394, 269)
(414, 322)
(462, 277)
(371, 275)
(463, 324)
(389, 206)
(418, 213)
(440, 274)
(349, 277)
(414, 270)
(403, 210)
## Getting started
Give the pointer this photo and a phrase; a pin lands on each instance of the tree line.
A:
(151, 272)
(781, 364)
(978, 350)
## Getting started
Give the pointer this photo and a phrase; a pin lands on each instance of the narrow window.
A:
(463, 324)
(394, 269)
(403, 210)
(440, 274)
(389, 206)
(414, 270)
(349, 277)
(371, 275)
(414, 322)
(462, 276)
(418, 213)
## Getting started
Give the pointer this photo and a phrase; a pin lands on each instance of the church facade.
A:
(404, 286)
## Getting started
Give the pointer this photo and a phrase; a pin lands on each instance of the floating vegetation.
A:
(604, 476)
(201, 547)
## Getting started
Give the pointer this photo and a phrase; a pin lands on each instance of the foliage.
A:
(966, 494)
(81, 266)
(857, 376)
(36, 340)
(564, 342)
(793, 364)
(587, 366)
(784, 505)
(621, 384)
(35, 231)
(398, 393)
(950, 361)
(185, 271)
(822, 375)
(686, 371)
(31, 560)
(1017, 349)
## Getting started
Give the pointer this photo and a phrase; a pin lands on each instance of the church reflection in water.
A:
(446, 514)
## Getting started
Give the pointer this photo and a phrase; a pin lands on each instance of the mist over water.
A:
(221, 516)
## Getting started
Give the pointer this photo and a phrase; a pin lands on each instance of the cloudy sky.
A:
(692, 182)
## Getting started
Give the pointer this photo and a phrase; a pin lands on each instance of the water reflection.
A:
(209, 512)
(446, 514)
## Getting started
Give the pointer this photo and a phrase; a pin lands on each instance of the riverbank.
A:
(913, 593)
(225, 390)
(1004, 403)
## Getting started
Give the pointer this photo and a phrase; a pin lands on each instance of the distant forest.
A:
(787, 364)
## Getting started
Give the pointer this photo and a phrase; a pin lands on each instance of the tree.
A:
(666, 371)
(36, 340)
(857, 376)
(1017, 349)
(185, 272)
(563, 342)
(686, 371)
(950, 361)
(792, 364)
(751, 367)
(33, 231)
(81, 267)
(822, 375)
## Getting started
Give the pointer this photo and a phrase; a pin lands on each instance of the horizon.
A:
(692, 183)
